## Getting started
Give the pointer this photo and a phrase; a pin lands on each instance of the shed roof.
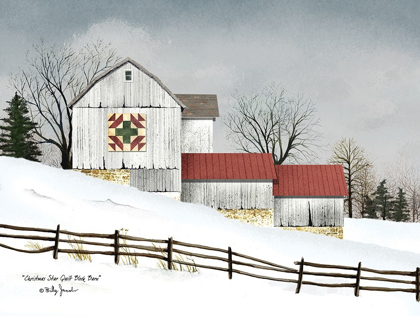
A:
(227, 166)
(199, 105)
(309, 180)
(115, 67)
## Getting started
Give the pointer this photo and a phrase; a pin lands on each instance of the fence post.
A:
(117, 247)
(57, 238)
(418, 284)
(357, 287)
(299, 284)
(230, 263)
(170, 246)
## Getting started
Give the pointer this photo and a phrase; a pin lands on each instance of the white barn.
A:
(128, 90)
(128, 127)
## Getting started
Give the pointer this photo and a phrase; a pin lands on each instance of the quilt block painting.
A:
(126, 132)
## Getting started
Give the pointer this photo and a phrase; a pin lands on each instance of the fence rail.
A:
(167, 253)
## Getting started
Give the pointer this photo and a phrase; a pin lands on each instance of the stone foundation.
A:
(120, 176)
(257, 217)
(336, 232)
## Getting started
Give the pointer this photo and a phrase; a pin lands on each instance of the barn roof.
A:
(115, 67)
(309, 180)
(227, 166)
(199, 105)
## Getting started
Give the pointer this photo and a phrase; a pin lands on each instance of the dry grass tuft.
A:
(78, 247)
(162, 264)
(34, 245)
(127, 259)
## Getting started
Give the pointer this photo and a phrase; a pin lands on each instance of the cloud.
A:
(164, 56)
(128, 39)
(379, 110)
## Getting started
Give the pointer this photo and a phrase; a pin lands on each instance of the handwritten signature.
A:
(60, 290)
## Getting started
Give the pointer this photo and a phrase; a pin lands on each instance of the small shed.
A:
(309, 195)
(228, 181)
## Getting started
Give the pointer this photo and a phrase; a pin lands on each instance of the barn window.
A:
(128, 75)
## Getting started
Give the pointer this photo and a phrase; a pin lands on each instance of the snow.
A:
(35, 195)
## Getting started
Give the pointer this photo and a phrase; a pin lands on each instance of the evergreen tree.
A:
(383, 200)
(16, 138)
(400, 210)
(370, 210)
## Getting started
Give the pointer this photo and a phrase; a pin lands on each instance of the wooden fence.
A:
(230, 258)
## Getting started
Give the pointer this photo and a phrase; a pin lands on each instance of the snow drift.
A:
(35, 195)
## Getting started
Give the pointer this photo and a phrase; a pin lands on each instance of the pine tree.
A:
(370, 210)
(16, 138)
(383, 200)
(400, 210)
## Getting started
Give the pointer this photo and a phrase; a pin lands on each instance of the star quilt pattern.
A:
(126, 132)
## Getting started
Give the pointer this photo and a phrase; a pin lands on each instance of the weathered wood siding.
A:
(113, 91)
(197, 136)
(308, 211)
(156, 180)
(90, 140)
(229, 194)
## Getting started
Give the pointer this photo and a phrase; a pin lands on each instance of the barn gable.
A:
(115, 88)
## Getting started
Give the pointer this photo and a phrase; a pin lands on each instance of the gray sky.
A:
(358, 61)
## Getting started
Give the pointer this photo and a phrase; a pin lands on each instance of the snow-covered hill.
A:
(35, 195)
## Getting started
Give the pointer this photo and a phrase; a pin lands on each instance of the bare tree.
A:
(268, 122)
(365, 185)
(50, 156)
(406, 175)
(352, 157)
(54, 76)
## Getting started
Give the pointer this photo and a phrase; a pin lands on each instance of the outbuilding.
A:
(238, 185)
(310, 198)
(201, 110)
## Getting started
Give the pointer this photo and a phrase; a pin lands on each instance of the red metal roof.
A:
(309, 180)
(227, 166)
